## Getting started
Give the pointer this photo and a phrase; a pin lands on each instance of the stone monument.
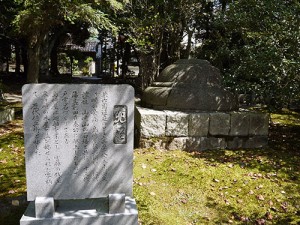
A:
(187, 108)
(79, 154)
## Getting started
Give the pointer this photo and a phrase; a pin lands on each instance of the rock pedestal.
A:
(187, 108)
(189, 84)
(200, 130)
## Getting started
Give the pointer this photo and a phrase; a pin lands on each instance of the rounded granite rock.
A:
(189, 84)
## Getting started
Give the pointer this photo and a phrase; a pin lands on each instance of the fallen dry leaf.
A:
(184, 201)
(4, 161)
(271, 203)
(144, 166)
(269, 216)
(260, 221)
(260, 197)
(15, 202)
(240, 201)
(284, 206)
(11, 192)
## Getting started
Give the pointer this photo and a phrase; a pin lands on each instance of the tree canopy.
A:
(254, 43)
(39, 19)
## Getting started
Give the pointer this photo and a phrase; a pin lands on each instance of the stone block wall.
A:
(200, 130)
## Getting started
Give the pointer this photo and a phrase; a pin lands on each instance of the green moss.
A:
(214, 187)
(286, 117)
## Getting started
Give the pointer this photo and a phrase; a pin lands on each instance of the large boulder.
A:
(189, 84)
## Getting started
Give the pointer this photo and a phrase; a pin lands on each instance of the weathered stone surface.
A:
(177, 124)
(208, 98)
(177, 143)
(116, 203)
(234, 127)
(78, 140)
(205, 143)
(151, 123)
(44, 207)
(239, 124)
(7, 114)
(259, 124)
(219, 124)
(190, 85)
(198, 124)
(156, 143)
(150, 97)
(256, 142)
(236, 142)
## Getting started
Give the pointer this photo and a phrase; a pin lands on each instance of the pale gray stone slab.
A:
(198, 124)
(151, 123)
(78, 140)
(239, 124)
(84, 212)
(259, 124)
(219, 124)
(44, 207)
(116, 203)
(177, 124)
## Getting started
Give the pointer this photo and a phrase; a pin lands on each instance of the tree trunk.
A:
(53, 59)
(18, 59)
(44, 59)
(24, 59)
(33, 64)
(34, 56)
(52, 49)
(147, 69)
(189, 43)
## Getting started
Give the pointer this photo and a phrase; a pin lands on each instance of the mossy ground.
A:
(255, 186)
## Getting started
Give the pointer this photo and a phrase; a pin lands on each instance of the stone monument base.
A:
(197, 131)
(83, 212)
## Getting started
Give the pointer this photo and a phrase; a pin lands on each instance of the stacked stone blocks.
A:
(200, 130)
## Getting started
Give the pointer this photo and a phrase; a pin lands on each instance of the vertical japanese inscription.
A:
(75, 130)
(120, 124)
(35, 117)
(103, 138)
